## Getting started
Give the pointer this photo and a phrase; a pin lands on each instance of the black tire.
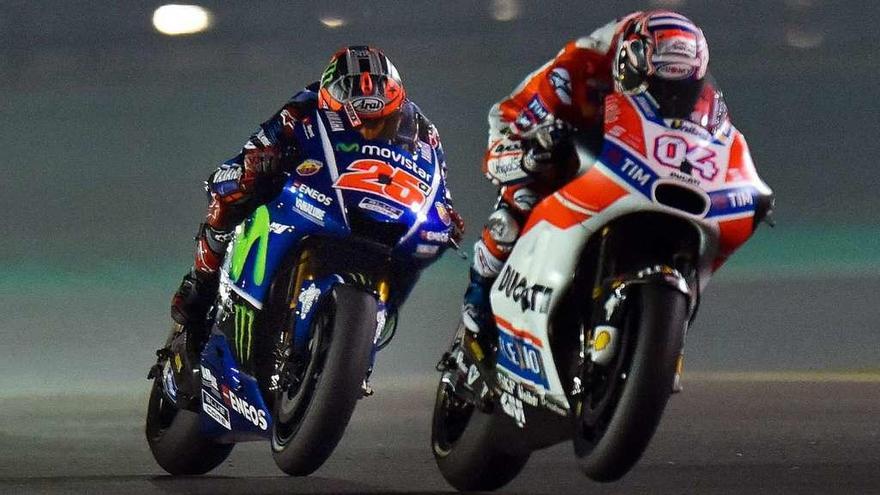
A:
(337, 371)
(655, 323)
(465, 444)
(175, 438)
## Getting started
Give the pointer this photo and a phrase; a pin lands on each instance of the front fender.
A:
(310, 294)
(620, 287)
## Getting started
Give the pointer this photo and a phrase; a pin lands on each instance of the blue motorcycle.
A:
(309, 292)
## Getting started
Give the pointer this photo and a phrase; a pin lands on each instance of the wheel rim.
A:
(299, 374)
(603, 392)
(451, 418)
(160, 413)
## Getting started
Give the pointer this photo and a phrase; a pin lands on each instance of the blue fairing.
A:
(232, 406)
(337, 177)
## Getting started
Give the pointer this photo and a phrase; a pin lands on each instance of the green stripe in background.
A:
(808, 251)
(785, 251)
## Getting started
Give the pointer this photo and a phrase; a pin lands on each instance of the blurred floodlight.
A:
(800, 4)
(667, 4)
(799, 37)
(332, 22)
(174, 19)
(505, 10)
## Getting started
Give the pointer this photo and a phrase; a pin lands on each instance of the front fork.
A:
(600, 336)
(309, 285)
(177, 366)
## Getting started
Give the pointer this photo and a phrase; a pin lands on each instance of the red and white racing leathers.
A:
(568, 90)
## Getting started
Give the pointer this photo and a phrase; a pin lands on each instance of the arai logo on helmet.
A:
(675, 71)
(367, 104)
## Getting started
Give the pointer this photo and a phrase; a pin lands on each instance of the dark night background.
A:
(109, 128)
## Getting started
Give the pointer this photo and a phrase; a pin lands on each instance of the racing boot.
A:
(193, 298)
(198, 289)
(480, 332)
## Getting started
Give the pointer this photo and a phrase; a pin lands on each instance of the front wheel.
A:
(321, 386)
(466, 446)
(175, 437)
(622, 404)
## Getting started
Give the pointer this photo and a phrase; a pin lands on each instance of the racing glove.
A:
(456, 233)
(261, 165)
(545, 145)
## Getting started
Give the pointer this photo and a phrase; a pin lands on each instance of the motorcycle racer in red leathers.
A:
(255, 175)
(530, 151)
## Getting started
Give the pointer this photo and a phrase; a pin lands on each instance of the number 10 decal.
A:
(674, 151)
(378, 177)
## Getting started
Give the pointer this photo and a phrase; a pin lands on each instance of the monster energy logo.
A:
(327, 76)
(244, 330)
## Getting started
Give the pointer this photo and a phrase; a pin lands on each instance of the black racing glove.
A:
(547, 144)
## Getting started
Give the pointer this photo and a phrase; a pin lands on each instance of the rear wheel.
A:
(175, 439)
(465, 446)
(321, 386)
(623, 402)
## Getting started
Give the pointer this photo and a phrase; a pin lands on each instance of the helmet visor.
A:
(368, 93)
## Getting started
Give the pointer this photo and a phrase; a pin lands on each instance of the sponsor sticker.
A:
(427, 250)
(226, 174)
(307, 298)
(309, 167)
(380, 151)
(216, 410)
(538, 109)
(280, 228)
(209, 380)
(425, 151)
(255, 416)
(351, 114)
(335, 121)
(442, 213)
(530, 297)
(309, 211)
(313, 193)
(472, 375)
(287, 119)
(513, 407)
(441, 237)
(380, 207)
(527, 394)
(560, 80)
(367, 104)
(676, 71)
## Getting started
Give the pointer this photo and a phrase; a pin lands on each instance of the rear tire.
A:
(325, 400)
(465, 445)
(175, 438)
(656, 322)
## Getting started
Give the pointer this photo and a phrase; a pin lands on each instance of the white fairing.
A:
(543, 262)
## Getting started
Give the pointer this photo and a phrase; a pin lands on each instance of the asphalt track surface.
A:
(726, 433)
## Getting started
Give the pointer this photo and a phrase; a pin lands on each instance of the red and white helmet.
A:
(664, 54)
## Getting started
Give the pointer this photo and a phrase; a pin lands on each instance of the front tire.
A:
(465, 444)
(320, 405)
(175, 438)
(639, 387)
